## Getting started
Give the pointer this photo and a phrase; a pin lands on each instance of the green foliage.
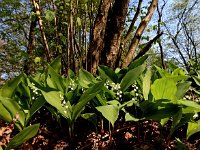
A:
(23, 136)
(152, 95)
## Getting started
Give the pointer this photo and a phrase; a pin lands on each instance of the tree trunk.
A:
(28, 66)
(138, 34)
(97, 43)
(46, 47)
(114, 30)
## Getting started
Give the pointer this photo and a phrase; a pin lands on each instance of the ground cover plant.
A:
(134, 108)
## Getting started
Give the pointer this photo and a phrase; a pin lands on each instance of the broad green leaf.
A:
(55, 79)
(14, 109)
(129, 117)
(164, 89)
(193, 127)
(50, 15)
(177, 78)
(178, 71)
(182, 88)
(159, 109)
(5, 115)
(183, 120)
(23, 136)
(37, 104)
(147, 84)
(164, 121)
(54, 99)
(110, 112)
(101, 99)
(8, 89)
(88, 95)
(163, 73)
(138, 62)
(107, 74)
(197, 80)
(85, 78)
(56, 64)
(176, 118)
(131, 76)
(190, 104)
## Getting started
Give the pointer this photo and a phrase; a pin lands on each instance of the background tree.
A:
(182, 27)
(85, 33)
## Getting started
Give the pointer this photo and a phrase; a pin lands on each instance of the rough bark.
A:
(97, 43)
(28, 66)
(114, 30)
(138, 34)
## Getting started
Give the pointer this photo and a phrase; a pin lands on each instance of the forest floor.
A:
(146, 135)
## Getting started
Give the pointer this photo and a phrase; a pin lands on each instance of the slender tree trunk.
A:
(160, 12)
(46, 47)
(129, 32)
(138, 34)
(28, 67)
(71, 37)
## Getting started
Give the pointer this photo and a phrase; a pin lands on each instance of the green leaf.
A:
(107, 74)
(37, 104)
(110, 112)
(54, 99)
(189, 104)
(5, 115)
(23, 136)
(197, 80)
(56, 64)
(176, 120)
(88, 95)
(164, 89)
(54, 80)
(50, 15)
(159, 109)
(138, 62)
(182, 121)
(182, 88)
(85, 78)
(8, 89)
(131, 76)
(129, 117)
(193, 127)
(14, 109)
(163, 73)
(147, 84)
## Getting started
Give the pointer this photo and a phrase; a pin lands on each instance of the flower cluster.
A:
(63, 103)
(135, 92)
(35, 90)
(72, 85)
(115, 87)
